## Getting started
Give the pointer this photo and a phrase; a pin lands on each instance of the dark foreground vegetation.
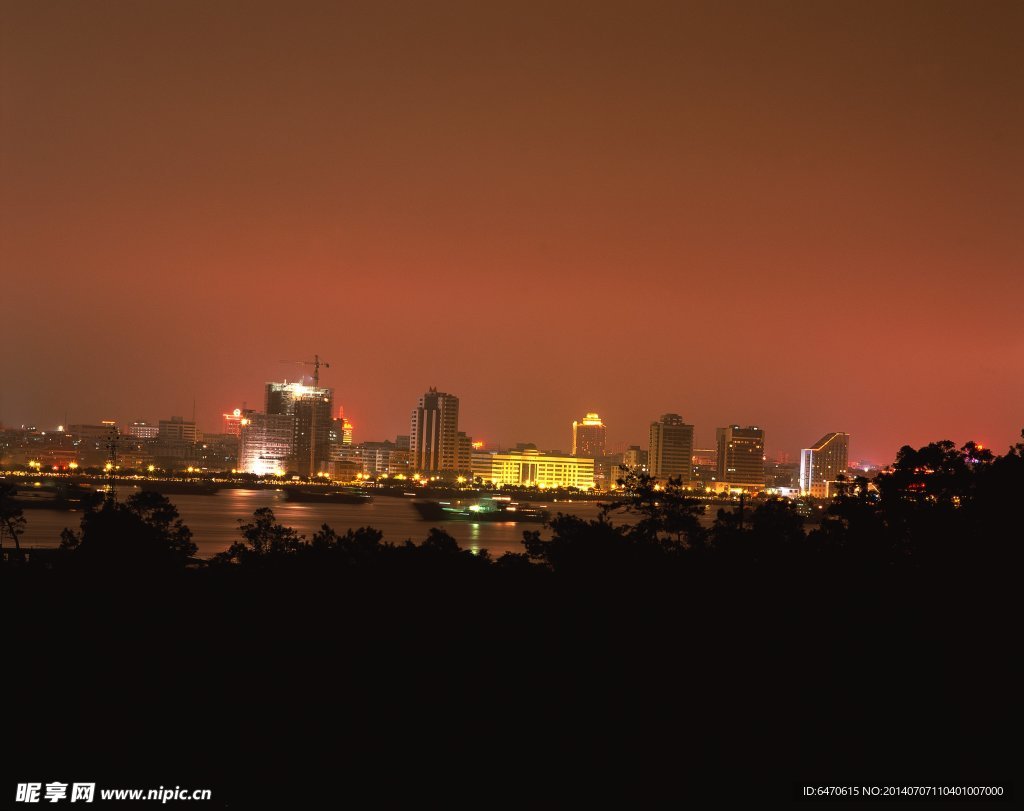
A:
(624, 661)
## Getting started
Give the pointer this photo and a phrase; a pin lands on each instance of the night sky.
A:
(805, 216)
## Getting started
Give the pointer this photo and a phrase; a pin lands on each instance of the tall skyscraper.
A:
(822, 464)
(312, 407)
(671, 449)
(588, 437)
(434, 432)
(741, 456)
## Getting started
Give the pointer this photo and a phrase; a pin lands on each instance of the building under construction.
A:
(311, 408)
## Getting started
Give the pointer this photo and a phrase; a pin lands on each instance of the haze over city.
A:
(789, 215)
(608, 403)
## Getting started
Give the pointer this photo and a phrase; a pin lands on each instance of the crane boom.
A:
(316, 363)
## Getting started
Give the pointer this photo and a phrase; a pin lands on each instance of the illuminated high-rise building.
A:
(588, 436)
(312, 407)
(265, 443)
(741, 457)
(671, 450)
(822, 464)
(434, 432)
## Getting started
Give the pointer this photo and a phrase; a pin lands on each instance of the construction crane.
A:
(316, 363)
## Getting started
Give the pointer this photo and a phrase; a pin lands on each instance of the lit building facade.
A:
(381, 459)
(533, 468)
(589, 436)
(342, 431)
(671, 449)
(265, 443)
(741, 457)
(434, 433)
(312, 408)
(233, 423)
(822, 464)
(143, 430)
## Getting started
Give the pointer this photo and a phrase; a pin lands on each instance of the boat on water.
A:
(324, 495)
(498, 510)
(50, 497)
(179, 488)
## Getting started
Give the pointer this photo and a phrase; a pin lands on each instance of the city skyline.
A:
(620, 438)
(797, 216)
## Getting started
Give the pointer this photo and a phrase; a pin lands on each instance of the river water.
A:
(214, 520)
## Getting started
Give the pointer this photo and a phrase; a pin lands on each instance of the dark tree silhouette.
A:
(357, 545)
(652, 649)
(588, 548)
(440, 542)
(668, 512)
(12, 521)
(772, 534)
(264, 538)
(144, 531)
